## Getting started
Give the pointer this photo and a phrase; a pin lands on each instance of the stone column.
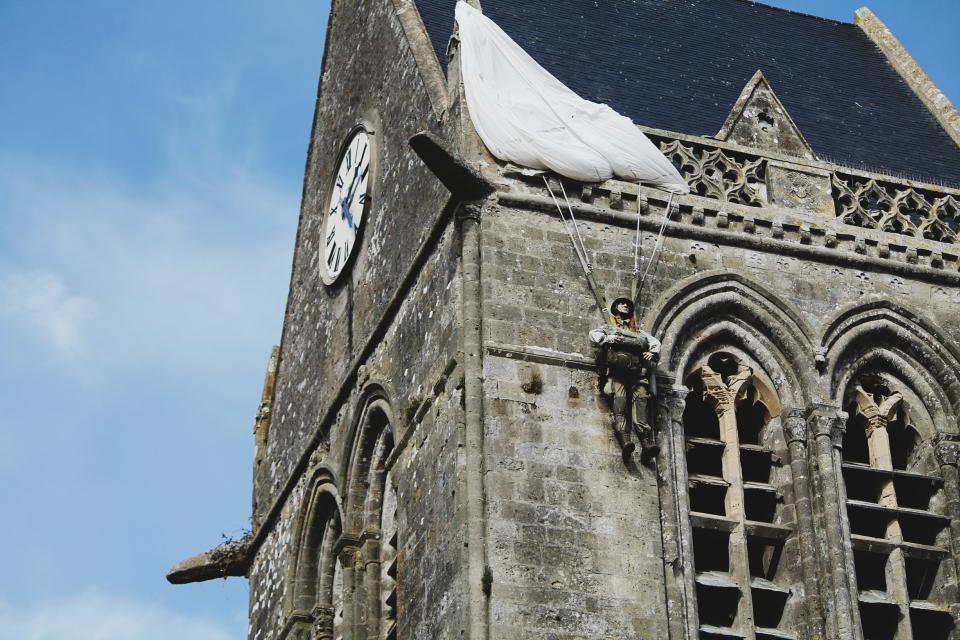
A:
(795, 432)
(723, 396)
(349, 562)
(826, 424)
(947, 449)
(370, 552)
(877, 419)
(674, 503)
(476, 545)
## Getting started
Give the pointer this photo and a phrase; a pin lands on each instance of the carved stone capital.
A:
(297, 627)
(826, 421)
(347, 550)
(322, 623)
(722, 394)
(369, 549)
(947, 450)
(873, 423)
(470, 211)
(672, 399)
(795, 427)
(838, 430)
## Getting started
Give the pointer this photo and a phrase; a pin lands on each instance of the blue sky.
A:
(151, 160)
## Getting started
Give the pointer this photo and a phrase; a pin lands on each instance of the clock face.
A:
(349, 199)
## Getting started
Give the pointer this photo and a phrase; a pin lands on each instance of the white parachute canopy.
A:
(526, 116)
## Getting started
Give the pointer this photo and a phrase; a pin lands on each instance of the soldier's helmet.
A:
(615, 308)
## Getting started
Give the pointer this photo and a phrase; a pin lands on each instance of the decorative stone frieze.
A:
(715, 173)
(894, 208)
(797, 187)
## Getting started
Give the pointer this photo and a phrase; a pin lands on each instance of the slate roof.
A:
(681, 64)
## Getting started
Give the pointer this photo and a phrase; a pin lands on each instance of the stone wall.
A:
(326, 329)
(416, 365)
(574, 535)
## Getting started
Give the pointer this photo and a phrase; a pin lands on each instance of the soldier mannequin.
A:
(627, 353)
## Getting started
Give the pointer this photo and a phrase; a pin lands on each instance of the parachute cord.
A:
(636, 254)
(575, 226)
(657, 245)
(579, 250)
(566, 226)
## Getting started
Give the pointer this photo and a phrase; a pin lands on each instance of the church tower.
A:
(437, 456)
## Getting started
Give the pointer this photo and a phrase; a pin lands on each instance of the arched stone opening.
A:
(745, 548)
(910, 348)
(315, 592)
(371, 508)
(896, 505)
(743, 312)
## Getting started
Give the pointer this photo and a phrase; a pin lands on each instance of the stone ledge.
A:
(765, 230)
(231, 559)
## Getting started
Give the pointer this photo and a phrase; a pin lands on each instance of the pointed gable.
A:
(759, 120)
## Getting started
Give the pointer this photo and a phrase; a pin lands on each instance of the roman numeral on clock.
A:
(333, 260)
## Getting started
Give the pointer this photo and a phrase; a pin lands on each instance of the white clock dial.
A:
(348, 203)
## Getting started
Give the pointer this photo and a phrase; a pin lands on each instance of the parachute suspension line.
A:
(579, 250)
(566, 226)
(656, 247)
(636, 256)
(576, 227)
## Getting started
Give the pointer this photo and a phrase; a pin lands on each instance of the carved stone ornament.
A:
(470, 211)
(896, 208)
(827, 421)
(673, 400)
(795, 427)
(297, 628)
(322, 623)
(838, 430)
(758, 119)
(724, 394)
(877, 416)
(947, 451)
(715, 173)
(799, 188)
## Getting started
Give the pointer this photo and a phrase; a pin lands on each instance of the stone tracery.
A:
(896, 208)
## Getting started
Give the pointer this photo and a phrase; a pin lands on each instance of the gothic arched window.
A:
(895, 507)
(372, 505)
(740, 524)
(317, 598)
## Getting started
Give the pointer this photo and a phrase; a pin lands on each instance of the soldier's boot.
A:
(648, 442)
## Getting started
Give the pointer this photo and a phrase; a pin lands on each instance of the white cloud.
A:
(173, 275)
(93, 615)
(39, 301)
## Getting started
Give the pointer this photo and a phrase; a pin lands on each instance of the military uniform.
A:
(624, 378)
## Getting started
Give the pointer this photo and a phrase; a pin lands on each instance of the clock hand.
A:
(345, 213)
(353, 182)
